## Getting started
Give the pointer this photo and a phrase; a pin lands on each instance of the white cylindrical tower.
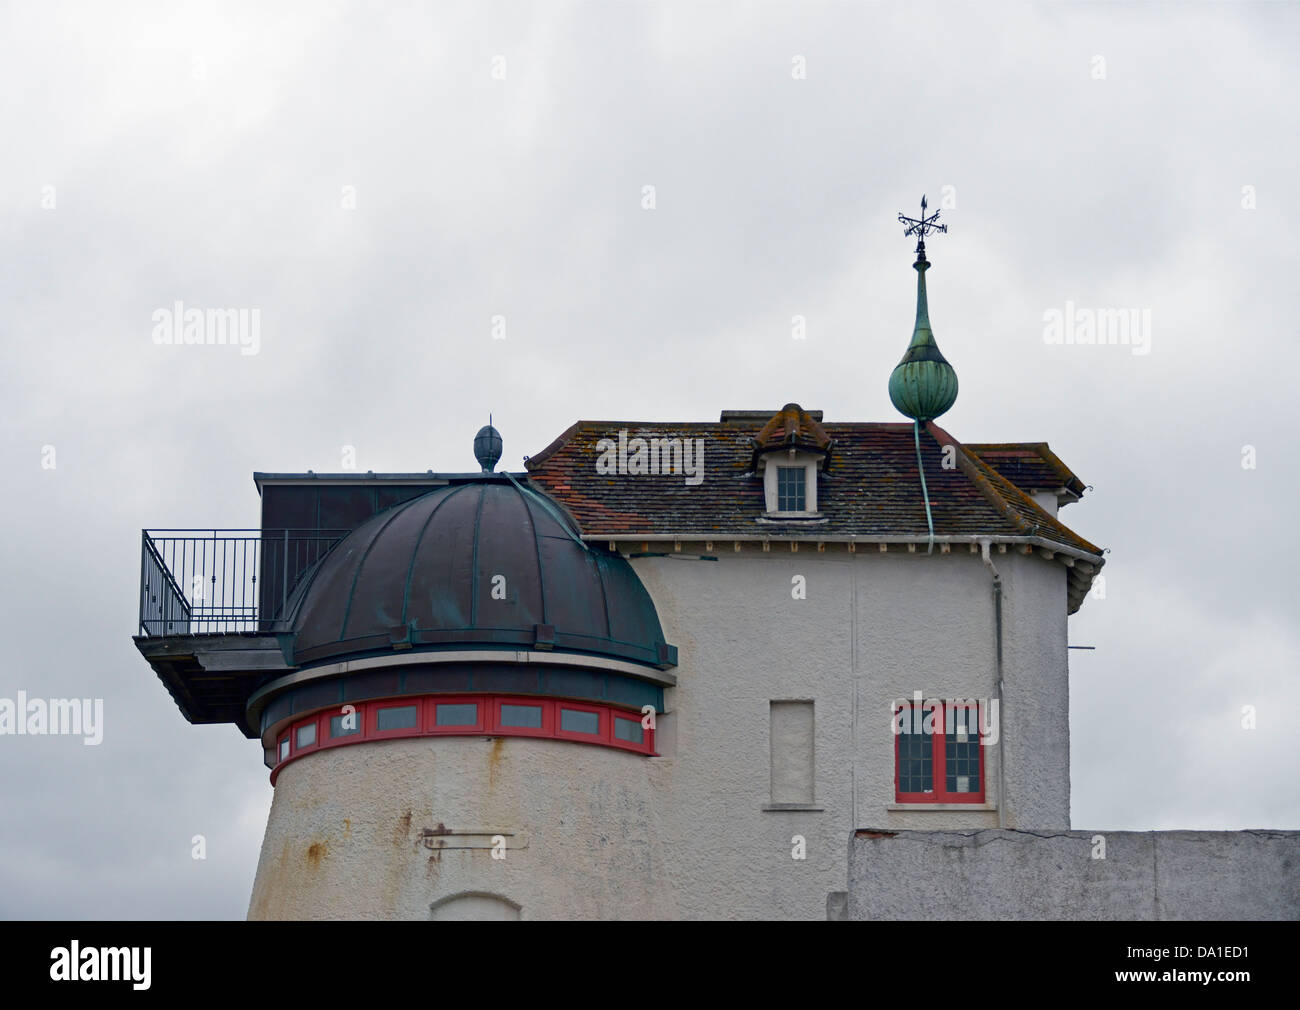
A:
(467, 727)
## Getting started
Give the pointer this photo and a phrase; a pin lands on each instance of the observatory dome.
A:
(482, 563)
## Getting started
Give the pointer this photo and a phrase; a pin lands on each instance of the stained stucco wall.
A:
(346, 837)
(1172, 875)
(687, 834)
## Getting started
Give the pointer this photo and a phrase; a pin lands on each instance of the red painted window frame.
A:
(547, 728)
(489, 723)
(373, 732)
(604, 723)
(293, 737)
(646, 734)
(323, 738)
(478, 729)
(938, 761)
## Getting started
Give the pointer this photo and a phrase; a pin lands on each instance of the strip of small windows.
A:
(465, 715)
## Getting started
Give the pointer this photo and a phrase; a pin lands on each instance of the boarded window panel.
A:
(792, 752)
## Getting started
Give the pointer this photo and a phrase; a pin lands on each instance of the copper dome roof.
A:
(479, 563)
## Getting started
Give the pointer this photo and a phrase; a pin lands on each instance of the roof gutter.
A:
(828, 538)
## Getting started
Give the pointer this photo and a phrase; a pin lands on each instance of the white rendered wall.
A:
(618, 835)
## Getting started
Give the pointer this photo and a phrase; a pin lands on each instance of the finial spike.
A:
(923, 385)
(921, 227)
(487, 446)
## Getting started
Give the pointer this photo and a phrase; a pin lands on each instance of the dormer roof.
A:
(792, 427)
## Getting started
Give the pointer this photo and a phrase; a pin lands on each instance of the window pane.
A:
(629, 730)
(307, 735)
(397, 718)
(572, 721)
(524, 716)
(962, 752)
(284, 748)
(790, 489)
(915, 756)
(345, 725)
(458, 715)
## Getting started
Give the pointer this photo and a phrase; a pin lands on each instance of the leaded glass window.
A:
(915, 757)
(791, 489)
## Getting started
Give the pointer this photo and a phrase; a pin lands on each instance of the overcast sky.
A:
(381, 184)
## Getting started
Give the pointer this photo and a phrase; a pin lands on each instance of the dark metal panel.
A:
(345, 506)
(440, 576)
(506, 549)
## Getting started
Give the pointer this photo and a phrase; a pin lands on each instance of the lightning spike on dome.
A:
(487, 446)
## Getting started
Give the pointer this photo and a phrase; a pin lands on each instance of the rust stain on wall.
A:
(494, 760)
(403, 829)
(316, 851)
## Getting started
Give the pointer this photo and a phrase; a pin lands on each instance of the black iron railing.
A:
(200, 582)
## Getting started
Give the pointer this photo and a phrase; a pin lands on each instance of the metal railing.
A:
(202, 582)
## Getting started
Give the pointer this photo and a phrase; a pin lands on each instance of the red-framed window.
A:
(342, 726)
(458, 715)
(627, 732)
(938, 753)
(397, 717)
(306, 735)
(522, 717)
(463, 715)
(576, 721)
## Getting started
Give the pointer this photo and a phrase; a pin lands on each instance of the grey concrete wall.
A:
(1145, 875)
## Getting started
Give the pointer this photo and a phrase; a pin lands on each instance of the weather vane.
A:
(921, 227)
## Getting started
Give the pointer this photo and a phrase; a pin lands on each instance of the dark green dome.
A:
(480, 563)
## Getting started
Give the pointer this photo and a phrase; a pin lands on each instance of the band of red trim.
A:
(312, 733)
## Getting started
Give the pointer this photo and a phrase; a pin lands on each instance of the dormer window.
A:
(788, 453)
(791, 489)
(790, 484)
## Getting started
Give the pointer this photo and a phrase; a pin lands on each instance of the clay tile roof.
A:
(873, 490)
(1031, 466)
